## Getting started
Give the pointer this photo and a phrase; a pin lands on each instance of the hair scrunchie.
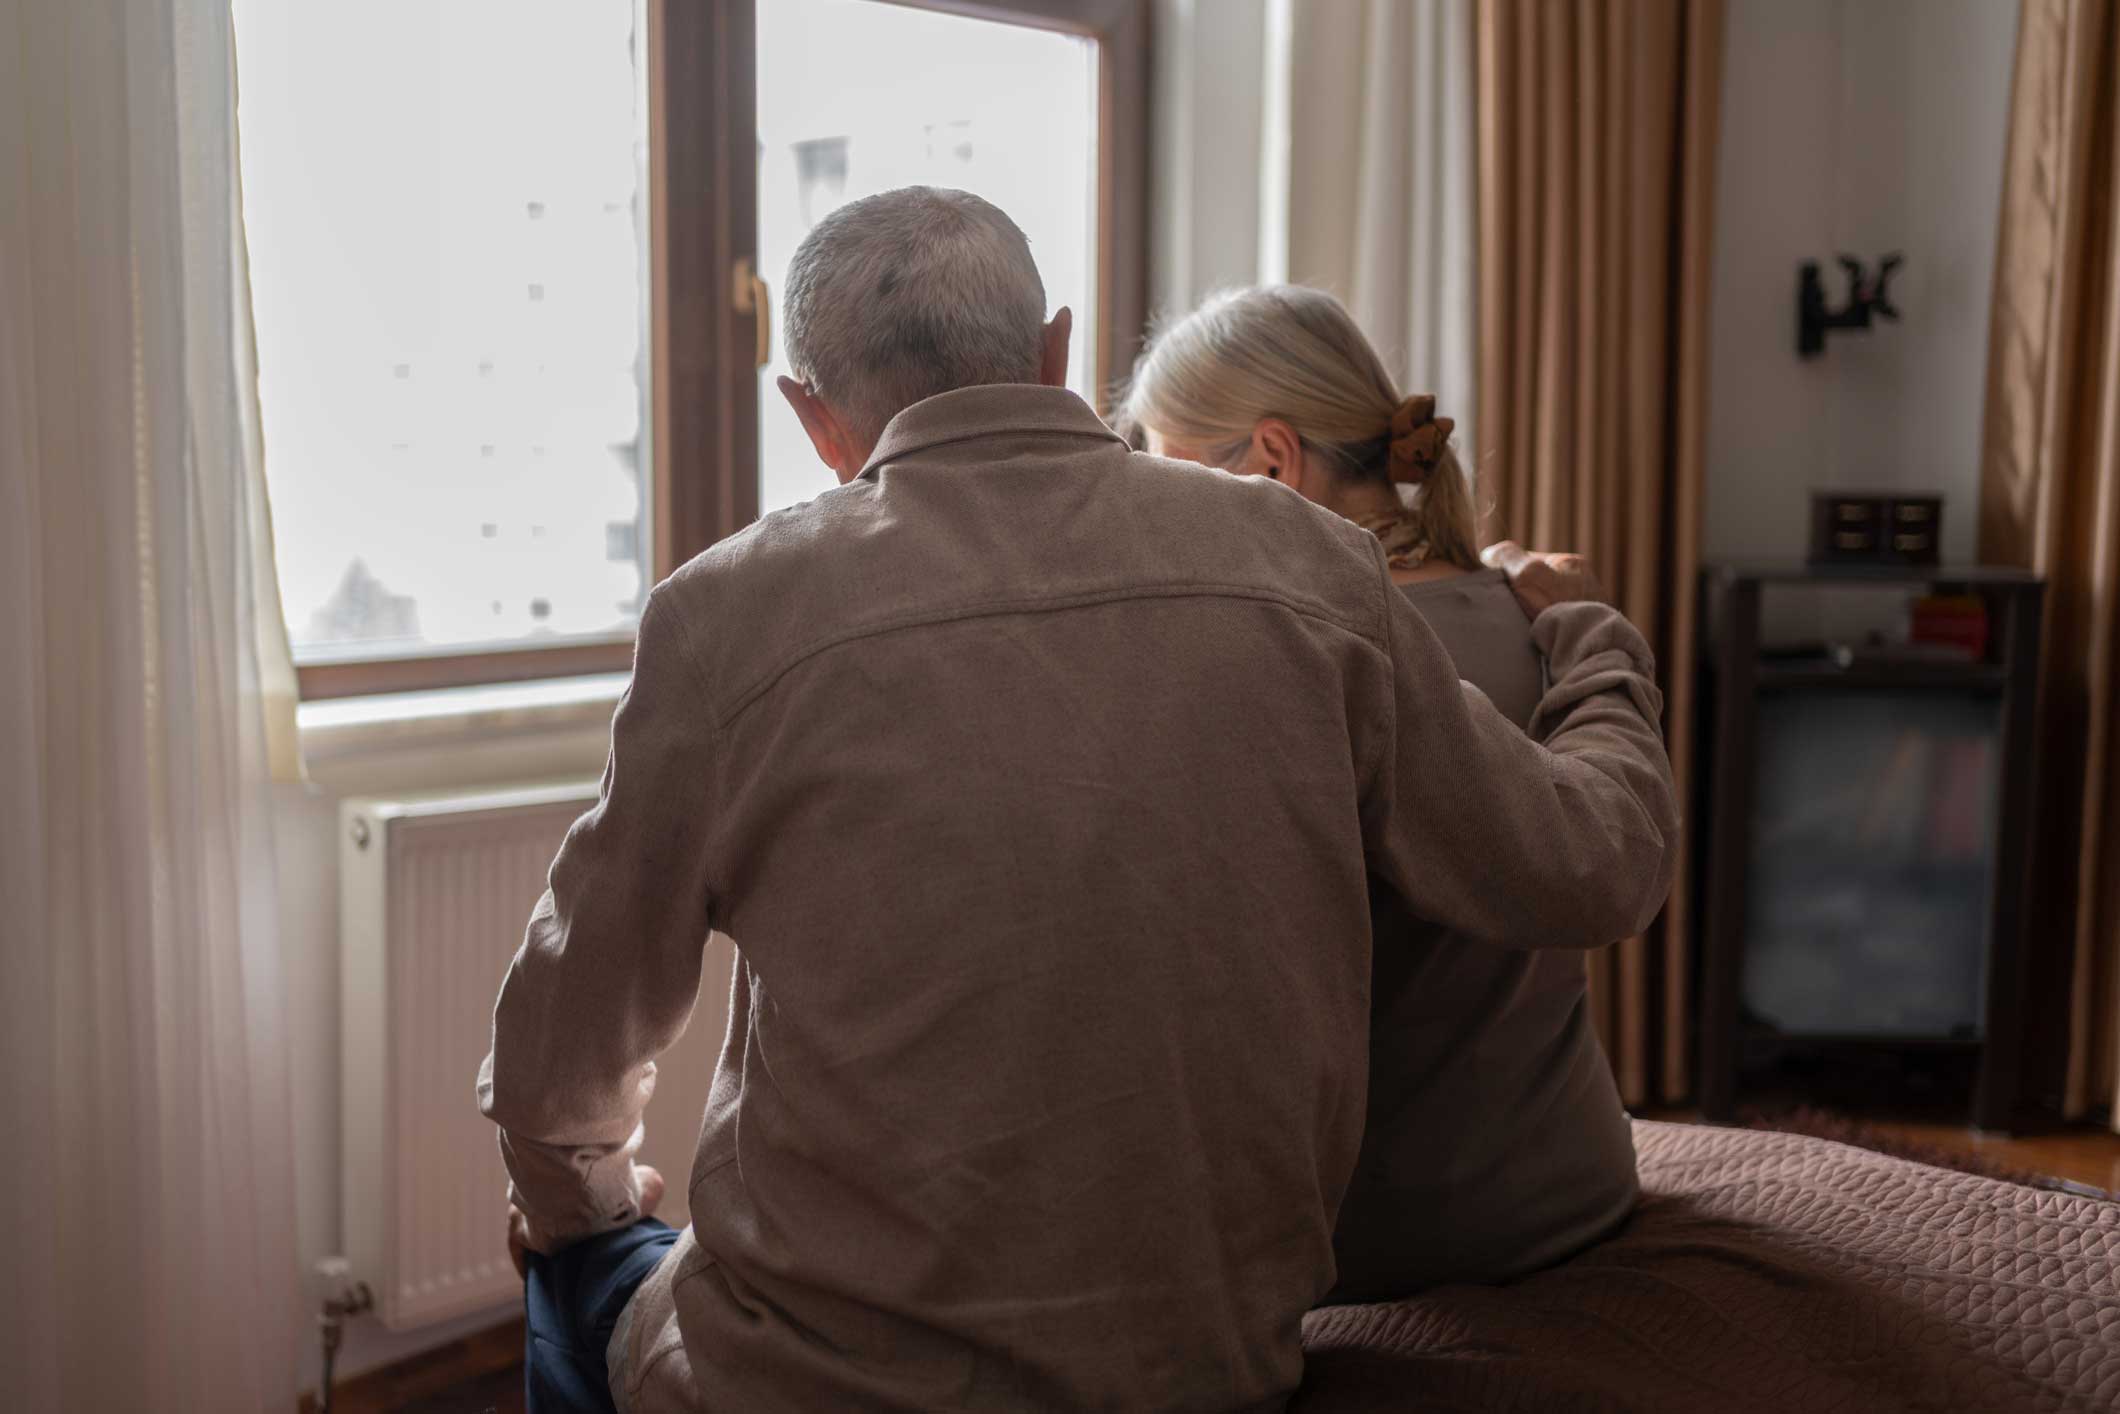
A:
(1418, 438)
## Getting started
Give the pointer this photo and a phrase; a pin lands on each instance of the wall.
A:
(1860, 126)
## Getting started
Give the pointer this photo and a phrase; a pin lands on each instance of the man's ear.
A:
(1052, 362)
(834, 447)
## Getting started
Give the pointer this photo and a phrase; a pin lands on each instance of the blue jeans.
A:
(572, 1303)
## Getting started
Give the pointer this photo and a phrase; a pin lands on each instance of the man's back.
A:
(1046, 1061)
(1040, 786)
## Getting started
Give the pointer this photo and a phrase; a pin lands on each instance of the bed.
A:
(1766, 1271)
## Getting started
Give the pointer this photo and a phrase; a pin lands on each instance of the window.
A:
(506, 261)
(447, 273)
(772, 115)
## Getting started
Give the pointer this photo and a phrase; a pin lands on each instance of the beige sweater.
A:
(1041, 785)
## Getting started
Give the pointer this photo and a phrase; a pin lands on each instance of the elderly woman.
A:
(1496, 1143)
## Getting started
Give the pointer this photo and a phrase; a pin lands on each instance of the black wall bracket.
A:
(1868, 297)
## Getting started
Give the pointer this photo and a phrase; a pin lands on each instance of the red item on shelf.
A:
(1950, 620)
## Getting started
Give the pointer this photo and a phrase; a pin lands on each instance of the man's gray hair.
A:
(909, 293)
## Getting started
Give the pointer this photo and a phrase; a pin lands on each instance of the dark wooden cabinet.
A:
(1864, 821)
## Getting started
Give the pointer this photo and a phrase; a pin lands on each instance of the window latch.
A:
(749, 295)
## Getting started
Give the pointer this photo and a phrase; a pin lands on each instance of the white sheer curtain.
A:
(147, 1195)
(1332, 145)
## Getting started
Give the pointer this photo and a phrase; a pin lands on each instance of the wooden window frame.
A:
(369, 677)
(704, 329)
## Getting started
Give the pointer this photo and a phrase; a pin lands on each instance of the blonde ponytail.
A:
(1442, 506)
(1296, 354)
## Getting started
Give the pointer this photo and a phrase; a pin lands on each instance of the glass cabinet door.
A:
(1872, 863)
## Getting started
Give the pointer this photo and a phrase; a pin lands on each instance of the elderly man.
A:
(1040, 785)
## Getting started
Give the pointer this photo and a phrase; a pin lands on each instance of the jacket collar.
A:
(994, 409)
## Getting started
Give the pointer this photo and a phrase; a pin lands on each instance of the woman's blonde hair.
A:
(1296, 354)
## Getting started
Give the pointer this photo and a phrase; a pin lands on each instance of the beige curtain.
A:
(147, 1205)
(2050, 500)
(278, 689)
(1379, 206)
(1330, 145)
(1596, 140)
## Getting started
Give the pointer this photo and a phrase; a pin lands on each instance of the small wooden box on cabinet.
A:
(1875, 528)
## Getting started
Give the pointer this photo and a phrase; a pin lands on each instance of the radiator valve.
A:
(343, 1297)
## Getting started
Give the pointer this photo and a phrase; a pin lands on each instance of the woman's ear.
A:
(1277, 451)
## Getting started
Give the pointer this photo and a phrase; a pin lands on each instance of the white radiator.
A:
(434, 895)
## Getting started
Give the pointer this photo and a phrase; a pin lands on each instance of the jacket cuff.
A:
(573, 1192)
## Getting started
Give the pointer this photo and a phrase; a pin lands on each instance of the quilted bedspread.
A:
(1766, 1272)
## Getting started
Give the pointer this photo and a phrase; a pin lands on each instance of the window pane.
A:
(857, 97)
(446, 208)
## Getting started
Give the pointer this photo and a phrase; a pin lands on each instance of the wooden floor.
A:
(2089, 1156)
(480, 1373)
(484, 1372)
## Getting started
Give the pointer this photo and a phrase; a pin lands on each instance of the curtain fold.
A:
(2050, 501)
(149, 1207)
(1379, 205)
(1597, 126)
(279, 691)
(1277, 166)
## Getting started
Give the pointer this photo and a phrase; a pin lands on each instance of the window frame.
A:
(704, 323)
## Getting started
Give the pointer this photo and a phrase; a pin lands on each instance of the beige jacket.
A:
(1040, 784)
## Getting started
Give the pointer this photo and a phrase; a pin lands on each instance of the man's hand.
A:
(651, 1189)
(519, 1241)
(1542, 579)
(519, 1249)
